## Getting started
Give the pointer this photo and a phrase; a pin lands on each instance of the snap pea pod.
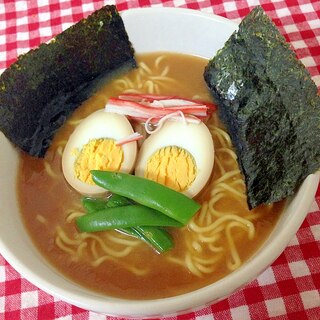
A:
(96, 204)
(131, 232)
(158, 238)
(118, 201)
(93, 204)
(124, 217)
(149, 193)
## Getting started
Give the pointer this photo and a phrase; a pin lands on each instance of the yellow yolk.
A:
(97, 154)
(173, 167)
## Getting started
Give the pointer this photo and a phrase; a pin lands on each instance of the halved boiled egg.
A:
(92, 146)
(179, 155)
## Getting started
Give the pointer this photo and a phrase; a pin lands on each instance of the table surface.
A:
(289, 289)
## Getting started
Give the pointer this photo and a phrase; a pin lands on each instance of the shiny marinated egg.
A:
(180, 155)
(92, 146)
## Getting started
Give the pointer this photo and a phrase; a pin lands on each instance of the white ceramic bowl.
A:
(150, 29)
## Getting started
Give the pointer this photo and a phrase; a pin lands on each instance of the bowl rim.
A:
(187, 11)
(184, 302)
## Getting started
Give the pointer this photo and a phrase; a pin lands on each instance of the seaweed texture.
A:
(40, 90)
(270, 106)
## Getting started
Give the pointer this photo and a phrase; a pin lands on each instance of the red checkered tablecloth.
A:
(289, 289)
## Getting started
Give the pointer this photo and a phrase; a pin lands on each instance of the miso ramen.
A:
(218, 239)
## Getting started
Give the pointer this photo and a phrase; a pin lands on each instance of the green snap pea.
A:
(156, 237)
(93, 204)
(118, 201)
(148, 193)
(124, 217)
(130, 232)
(97, 204)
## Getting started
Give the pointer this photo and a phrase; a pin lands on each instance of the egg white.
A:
(195, 138)
(99, 124)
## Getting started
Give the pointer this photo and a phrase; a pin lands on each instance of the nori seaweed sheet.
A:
(40, 90)
(270, 107)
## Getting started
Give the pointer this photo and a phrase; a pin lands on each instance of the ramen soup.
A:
(218, 239)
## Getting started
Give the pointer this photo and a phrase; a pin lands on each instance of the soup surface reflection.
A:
(222, 235)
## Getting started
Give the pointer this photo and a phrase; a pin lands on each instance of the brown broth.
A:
(48, 197)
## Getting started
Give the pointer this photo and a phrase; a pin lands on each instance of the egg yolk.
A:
(97, 154)
(173, 167)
